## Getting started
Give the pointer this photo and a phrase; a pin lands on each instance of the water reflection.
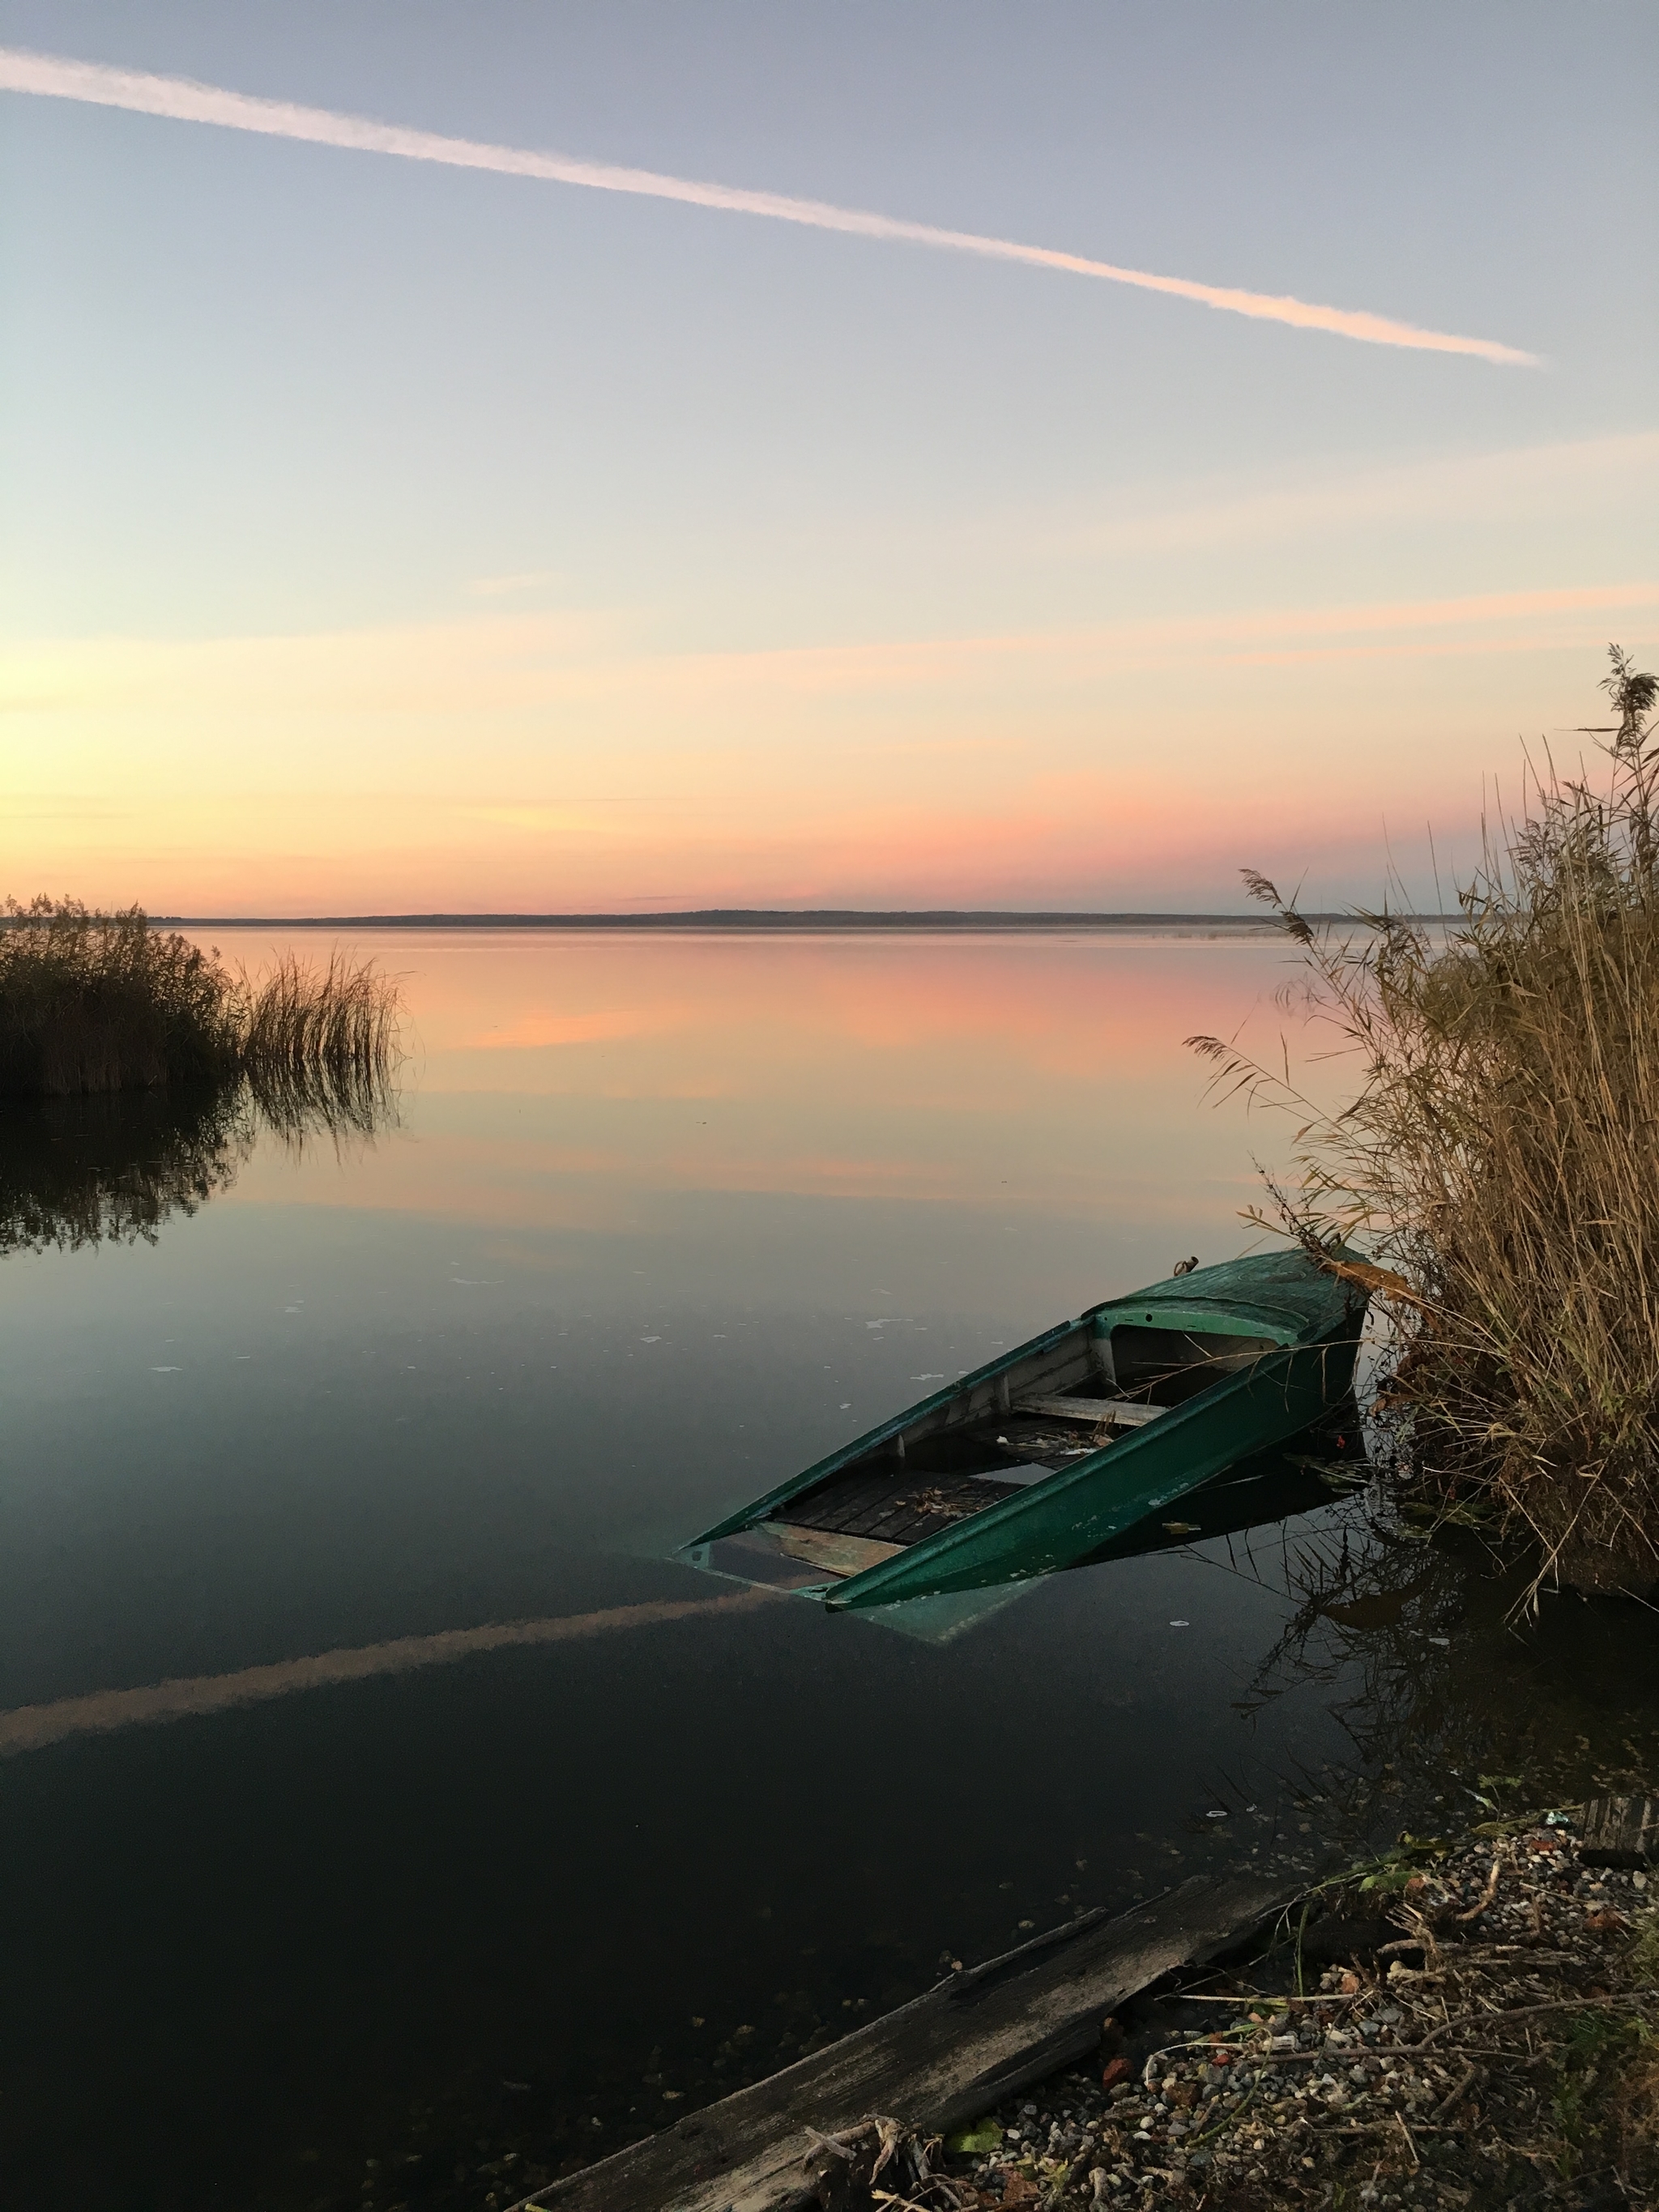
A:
(1268, 1491)
(563, 1078)
(656, 1219)
(112, 1168)
(32, 1728)
(1455, 1699)
(109, 1167)
(1265, 1492)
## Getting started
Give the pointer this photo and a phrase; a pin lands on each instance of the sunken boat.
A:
(1037, 1459)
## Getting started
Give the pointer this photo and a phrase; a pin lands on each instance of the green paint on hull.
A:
(1298, 1328)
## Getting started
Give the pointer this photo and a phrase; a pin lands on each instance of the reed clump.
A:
(318, 1046)
(1499, 1166)
(92, 1002)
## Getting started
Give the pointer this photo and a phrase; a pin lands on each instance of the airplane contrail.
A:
(185, 101)
(32, 1727)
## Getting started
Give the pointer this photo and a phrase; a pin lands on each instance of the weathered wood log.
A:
(1621, 1832)
(933, 2064)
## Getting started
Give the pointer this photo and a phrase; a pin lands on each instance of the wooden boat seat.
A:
(1119, 1413)
(837, 1555)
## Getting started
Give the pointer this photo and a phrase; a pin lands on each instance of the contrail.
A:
(32, 1727)
(186, 101)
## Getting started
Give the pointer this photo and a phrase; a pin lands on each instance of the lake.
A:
(661, 1219)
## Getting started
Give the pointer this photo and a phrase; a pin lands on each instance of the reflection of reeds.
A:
(94, 1002)
(112, 1168)
(1377, 1595)
(319, 1049)
(93, 1005)
(1371, 1635)
(1499, 1163)
(1454, 1709)
(89, 1171)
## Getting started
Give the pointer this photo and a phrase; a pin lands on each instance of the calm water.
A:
(663, 1220)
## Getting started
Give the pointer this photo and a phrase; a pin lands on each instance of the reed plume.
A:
(1499, 1164)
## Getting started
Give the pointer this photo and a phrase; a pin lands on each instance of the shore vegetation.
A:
(1465, 2021)
(92, 1002)
(1495, 1167)
(137, 1070)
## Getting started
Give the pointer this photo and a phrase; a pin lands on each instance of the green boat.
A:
(1039, 1459)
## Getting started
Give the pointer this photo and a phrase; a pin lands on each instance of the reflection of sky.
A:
(568, 1076)
(665, 1221)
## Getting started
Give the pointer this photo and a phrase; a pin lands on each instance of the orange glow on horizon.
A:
(563, 762)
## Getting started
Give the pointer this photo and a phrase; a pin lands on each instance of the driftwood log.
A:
(1621, 1832)
(933, 2064)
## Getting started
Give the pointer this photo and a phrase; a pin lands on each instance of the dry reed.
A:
(92, 1002)
(1496, 1166)
(319, 1049)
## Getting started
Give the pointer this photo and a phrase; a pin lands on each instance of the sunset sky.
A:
(394, 525)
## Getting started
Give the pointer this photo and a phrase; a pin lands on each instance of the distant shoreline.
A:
(739, 919)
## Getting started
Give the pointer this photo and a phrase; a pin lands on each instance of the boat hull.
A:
(1061, 1521)
(1279, 1333)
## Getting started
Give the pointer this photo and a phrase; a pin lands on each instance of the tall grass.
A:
(1499, 1163)
(319, 1046)
(92, 1002)
(103, 1002)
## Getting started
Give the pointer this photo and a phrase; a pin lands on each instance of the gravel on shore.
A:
(1485, 2031)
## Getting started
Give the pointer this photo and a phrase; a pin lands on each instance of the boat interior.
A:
(990, 1441)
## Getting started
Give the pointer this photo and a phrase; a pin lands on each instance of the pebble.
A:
(1233, 2114)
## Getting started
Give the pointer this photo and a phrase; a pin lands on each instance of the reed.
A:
(318, 1047)
(1497, 1166)
(94, 1002)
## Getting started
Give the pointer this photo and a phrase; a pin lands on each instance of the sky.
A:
(392, 525)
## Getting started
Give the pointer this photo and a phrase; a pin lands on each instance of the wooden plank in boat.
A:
(1120, 1411)
(935, 2063)
(894, 1508)
(843, 1505)
(836, 1554)
(927, 1503)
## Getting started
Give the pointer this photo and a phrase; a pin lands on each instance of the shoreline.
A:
(1464, 2022)
(1468, 2024)
(771, 920)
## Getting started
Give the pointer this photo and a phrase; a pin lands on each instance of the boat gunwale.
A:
(1206, 1318)
(837, 1597)
(759, 1509)
(1170, 1304)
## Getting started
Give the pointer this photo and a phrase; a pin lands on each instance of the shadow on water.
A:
(1265, 1491)
(1457, 1701)
(1450, 1692)
(113, 1167)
